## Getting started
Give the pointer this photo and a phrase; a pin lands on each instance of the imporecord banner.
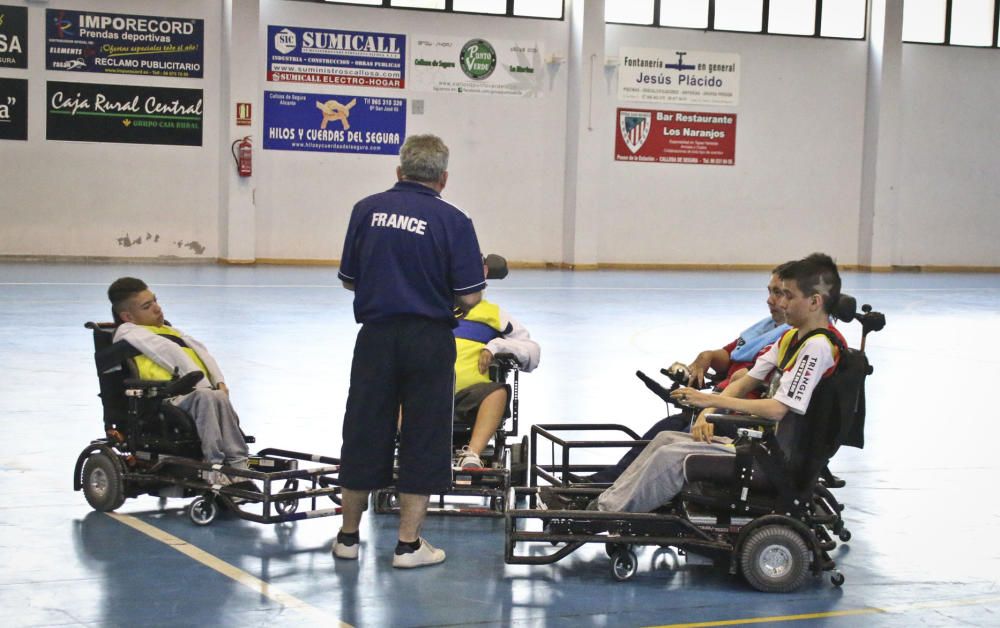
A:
(128, 114)
(332, 57)
(335, 124)
(111, 43)
(13, 37)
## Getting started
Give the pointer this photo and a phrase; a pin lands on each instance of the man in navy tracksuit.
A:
(410, 258)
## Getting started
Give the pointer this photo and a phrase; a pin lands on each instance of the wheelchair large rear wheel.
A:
(103, 485)
(775, 559)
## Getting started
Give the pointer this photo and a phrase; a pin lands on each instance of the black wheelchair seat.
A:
(706, 470)
(136, 413)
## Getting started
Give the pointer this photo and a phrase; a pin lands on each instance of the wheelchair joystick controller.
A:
(655, 387)
(678, 372)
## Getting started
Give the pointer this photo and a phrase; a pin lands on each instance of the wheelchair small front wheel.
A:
(837, 579)
(203, 510)
(103, 485)
(844, 535)
(385, 500)
(624, 564)
(288, 507)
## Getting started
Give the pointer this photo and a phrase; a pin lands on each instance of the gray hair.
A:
(423, 158)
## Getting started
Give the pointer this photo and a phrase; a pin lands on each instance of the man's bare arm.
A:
(716, 359)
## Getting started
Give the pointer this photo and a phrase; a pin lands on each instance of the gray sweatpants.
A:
(218, 426)
(657, 474)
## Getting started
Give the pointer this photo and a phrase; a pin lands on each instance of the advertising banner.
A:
(129, 114)
(13, 109)
(13, 37)
(111, 43)
(653, 75)
(316, 55)
(334, 124)
(679, 137)
(476, 66)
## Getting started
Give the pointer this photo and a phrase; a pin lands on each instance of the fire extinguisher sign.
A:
(243, 117)
(334, 123)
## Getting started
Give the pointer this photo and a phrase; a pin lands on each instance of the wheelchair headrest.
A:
(108, 328)
(846, 308)
(108, 354)
(496, 266)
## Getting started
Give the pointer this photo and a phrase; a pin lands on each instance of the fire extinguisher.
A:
(242, 151)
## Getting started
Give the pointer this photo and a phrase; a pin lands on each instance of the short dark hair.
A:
(777, 270)
(815, 274)
(120, 291)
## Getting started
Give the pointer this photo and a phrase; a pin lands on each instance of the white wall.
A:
(797, 175)
(507, 153)
(79, 198)
(949, 179)
(795, 186)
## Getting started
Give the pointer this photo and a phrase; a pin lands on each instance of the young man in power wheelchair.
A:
(755, 506)
(713, 368)
(490, 347)
(170, 433)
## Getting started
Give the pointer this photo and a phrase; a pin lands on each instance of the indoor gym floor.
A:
(921, 497)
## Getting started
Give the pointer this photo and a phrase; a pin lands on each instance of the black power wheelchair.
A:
(481, 492)
(756, 513)
(152, 447)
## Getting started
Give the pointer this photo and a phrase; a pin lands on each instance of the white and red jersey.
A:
(813, 360)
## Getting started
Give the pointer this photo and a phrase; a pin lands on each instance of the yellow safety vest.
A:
(479, 326)
(149, 369)
(784, 344)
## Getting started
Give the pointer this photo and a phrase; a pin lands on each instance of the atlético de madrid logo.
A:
(634, 127)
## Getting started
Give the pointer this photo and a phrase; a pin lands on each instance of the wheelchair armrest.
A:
(171, 388)
(507, 361)
(503, 365)
(742, 420)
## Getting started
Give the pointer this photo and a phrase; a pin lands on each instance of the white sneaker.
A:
(468, 459)
(345, 552)
(426, 555)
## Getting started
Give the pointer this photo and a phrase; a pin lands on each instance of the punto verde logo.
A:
(478, 59)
